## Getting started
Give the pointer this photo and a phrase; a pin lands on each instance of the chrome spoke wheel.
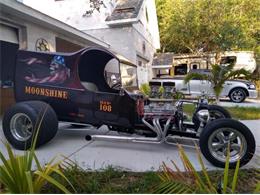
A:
(21, 127)
(222, 139)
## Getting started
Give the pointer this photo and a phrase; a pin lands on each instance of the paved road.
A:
(129, 156)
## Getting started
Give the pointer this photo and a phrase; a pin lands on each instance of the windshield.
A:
(128, 75)
(112, 74)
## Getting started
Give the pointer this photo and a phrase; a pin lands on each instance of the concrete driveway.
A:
(128, 156)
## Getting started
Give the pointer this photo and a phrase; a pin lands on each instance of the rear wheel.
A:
(215, 112)
(223, 134)
(25, 120)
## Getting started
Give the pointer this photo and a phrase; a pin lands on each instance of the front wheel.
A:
(220, 135)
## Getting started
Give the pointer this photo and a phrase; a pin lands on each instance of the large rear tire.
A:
(221, 133)
(24, 119)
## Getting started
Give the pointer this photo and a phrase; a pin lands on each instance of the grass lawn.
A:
(240, 113)
(244, 113)
(114, 181)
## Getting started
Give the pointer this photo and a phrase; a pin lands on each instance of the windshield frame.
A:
(135, 72)
(119, 83)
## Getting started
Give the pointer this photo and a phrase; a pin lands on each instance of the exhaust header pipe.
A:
(156, 127)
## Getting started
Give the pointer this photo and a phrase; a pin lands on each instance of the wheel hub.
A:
(227, 138)
(21, 127)
(237, 95)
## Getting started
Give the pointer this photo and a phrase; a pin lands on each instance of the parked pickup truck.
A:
(236, 90)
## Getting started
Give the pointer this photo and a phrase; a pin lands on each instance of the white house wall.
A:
(150, 24)
(153, 23)
(72, 11)
(35, 32)
(121, 40)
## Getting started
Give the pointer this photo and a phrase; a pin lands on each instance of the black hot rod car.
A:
(92, 86)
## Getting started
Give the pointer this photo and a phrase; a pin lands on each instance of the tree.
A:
(191, 26)
(219, 74)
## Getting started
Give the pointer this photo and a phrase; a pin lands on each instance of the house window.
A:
(181, 69)
(140, 63)
(228, 60)
(144, 47)
(146, 14)
(195, 66)
(124, 10)
(163, 73)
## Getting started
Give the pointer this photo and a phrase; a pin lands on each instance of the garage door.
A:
(8, 34)
(8, 49)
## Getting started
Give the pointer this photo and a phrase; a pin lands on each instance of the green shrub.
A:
(161, 91)
(145, 89)
(190, 181)
(178, 95)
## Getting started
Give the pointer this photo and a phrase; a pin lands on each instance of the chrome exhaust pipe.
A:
(156, 127)
(109, 138)
(122, 138)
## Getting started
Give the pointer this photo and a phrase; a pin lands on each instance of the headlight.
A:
(251, 86)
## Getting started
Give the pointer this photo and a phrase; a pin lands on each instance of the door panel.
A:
(195, 87)
(198, 87)
(106, 106)
(114, 109)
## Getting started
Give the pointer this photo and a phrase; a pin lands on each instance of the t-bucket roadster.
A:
(85, 87)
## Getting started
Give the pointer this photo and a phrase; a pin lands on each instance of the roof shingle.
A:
(163, 59)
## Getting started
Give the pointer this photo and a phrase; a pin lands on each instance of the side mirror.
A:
(121, 92)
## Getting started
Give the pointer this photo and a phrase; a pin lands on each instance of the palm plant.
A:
(190, 181)
(219, 74)
(17, 174)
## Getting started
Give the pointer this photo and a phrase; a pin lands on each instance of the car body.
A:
(85, 88)
(78, 86)
(196, 87)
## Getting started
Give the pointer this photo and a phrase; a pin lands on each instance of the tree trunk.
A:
(217, 99)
